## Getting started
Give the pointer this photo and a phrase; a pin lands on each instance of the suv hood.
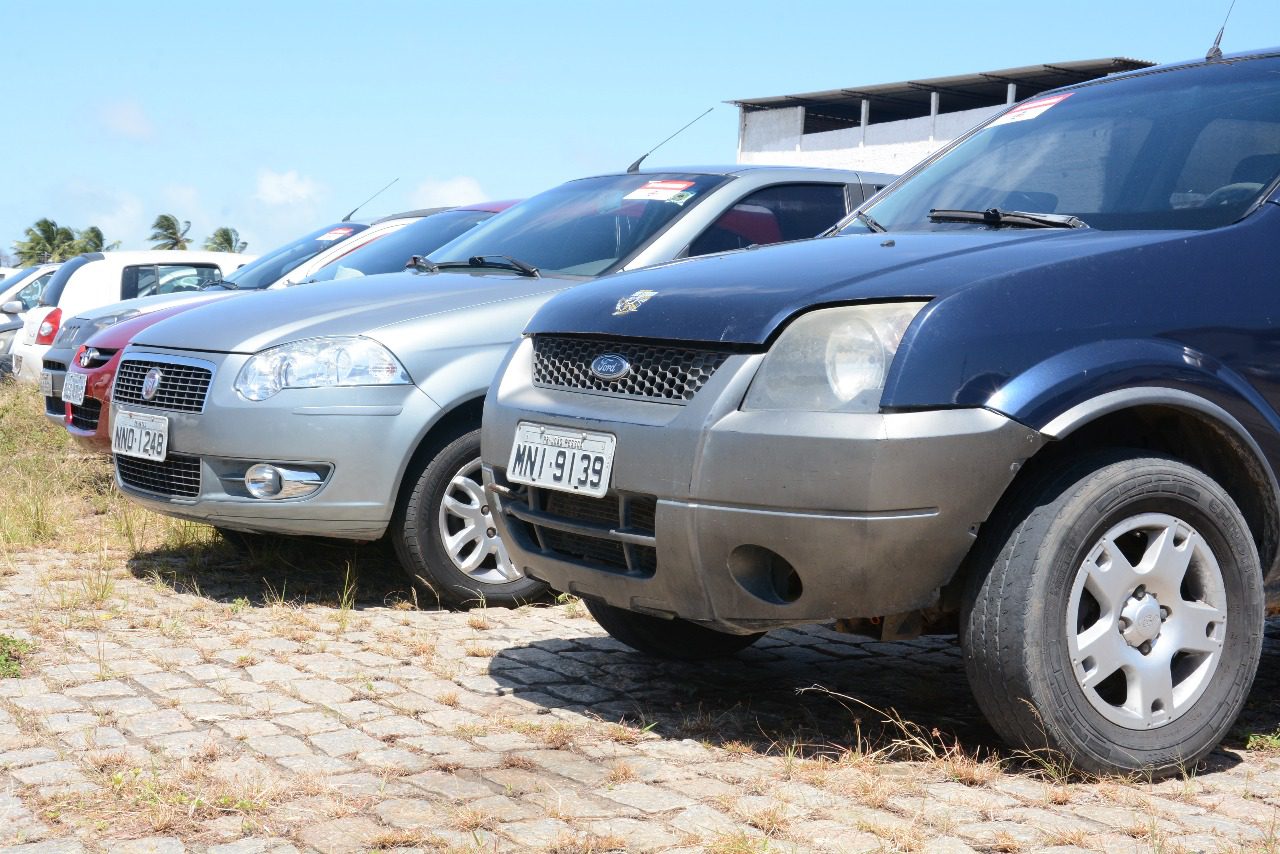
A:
(745, 297)
(360, 306)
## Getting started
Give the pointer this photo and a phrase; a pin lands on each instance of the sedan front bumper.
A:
(358, 439)
(746, 521)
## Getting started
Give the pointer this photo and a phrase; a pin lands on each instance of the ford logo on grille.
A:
(610, 367)
(151, 383)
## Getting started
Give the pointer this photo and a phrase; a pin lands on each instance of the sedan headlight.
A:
(833, 359)
(319, 363)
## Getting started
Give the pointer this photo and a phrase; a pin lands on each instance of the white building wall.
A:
(776, 137)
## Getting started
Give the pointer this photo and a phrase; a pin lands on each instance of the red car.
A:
(96, 361)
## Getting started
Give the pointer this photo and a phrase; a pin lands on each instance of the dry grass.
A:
(587, 843)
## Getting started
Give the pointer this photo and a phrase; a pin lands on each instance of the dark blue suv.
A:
(1029, 393)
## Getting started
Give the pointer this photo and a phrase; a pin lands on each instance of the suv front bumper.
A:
(746, 521)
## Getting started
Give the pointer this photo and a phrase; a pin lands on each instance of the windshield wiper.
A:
(224, 284)
(1015, 219)
(869, 221)
(494, 262)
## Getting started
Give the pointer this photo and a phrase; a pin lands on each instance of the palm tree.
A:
(225, 240)
(168, 233)
(91, 240)
(46, 241)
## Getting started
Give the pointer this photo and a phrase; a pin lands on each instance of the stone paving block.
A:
(47, 704)
(49, 846)
(48, 773)
(250, 728)
(310, 764)
(345, 742)
(156, 723)
(149, 845)
(273, 703)
(396, 760)
(341, 835)
(647, 797)
(359, 710)
(122, 706)
(277, 745)
(394, 725)
(274, 671)
(449, 786)
(953, 845)
(435, 743)
(409, 813)
(536, 833)
(94, 738)
(322, 691)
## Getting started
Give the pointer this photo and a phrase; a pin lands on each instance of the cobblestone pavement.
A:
(185, 701)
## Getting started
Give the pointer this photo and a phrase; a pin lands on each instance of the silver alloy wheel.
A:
(1146, 621)
(467, 532)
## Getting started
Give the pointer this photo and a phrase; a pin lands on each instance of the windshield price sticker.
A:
(1030, 110)
(334, 234)
(661, 191)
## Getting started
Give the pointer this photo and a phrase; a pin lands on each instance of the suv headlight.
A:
(319, 363)
(832, 359)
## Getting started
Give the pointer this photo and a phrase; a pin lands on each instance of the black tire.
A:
(676, 639)
(419, 544)
(1017, 639)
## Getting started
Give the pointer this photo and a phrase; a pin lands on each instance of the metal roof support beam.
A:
(934, 100)
(1012, 94)
(866, 120)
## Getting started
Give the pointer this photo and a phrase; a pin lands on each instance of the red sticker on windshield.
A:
(335, 234)
(660, 191)
(1030, 109)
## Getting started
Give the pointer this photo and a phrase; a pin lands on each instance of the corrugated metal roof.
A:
(911, 98)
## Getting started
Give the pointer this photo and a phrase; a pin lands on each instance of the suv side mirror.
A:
(13, 306)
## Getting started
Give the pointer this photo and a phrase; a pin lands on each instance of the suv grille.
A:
(668, 374)
(177, 476)
(182, 388)
(85, 416)
(614, 533)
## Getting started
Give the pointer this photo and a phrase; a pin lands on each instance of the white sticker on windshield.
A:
(1030, 109)
(660, 191)
(334, 234)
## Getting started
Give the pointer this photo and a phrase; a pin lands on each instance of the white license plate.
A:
(136, 435)
(567, 460)
(46, 383)
(73, 388)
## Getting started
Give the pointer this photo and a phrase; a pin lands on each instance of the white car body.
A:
(98, 278)
(6, 272)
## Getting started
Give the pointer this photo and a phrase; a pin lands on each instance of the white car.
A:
(18, 293)
(98, 278)
(9, 272)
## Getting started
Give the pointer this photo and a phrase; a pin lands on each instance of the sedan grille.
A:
(85, 416)
(178, 476)
(182, 388)
(662, 373)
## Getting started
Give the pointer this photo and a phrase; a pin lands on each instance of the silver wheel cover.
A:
(1145, 632)
(466, 530)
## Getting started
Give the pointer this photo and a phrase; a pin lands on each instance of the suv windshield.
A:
(390, 253)
(584, 227)
(267, 270)
(1191, 147)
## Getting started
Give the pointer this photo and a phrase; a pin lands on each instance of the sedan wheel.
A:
(467, 533)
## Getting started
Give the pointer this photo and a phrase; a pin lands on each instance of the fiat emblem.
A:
(151, 383)
(610, 367)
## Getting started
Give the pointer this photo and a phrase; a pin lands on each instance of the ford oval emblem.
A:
(610, 367)
(151, 383)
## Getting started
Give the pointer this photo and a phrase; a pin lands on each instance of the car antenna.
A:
(347, 218)
(1215, 52)
(635, 167)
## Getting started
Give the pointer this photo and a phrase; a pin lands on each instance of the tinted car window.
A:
(390, 253)
(784, 212)
(144, 280)
(29, 296)
(270, 268)
(53, 291)
(1184, 148)
(586, 227)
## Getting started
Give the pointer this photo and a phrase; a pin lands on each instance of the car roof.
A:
(1243, 56)
(756, 169)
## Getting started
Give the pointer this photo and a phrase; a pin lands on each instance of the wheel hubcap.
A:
(467, 531)
(1146, 621)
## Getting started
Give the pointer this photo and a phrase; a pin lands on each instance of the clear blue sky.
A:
(276, 116)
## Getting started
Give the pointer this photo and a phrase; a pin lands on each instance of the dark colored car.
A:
(1032, 390)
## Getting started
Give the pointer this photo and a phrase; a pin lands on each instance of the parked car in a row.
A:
(19, 293)
(351, 409)
(1031, 389)
(81, 402)
(97, 278)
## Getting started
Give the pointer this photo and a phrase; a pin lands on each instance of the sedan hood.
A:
(361, 306)
(745, 297)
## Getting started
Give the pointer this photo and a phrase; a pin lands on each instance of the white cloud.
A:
(285, 188)
(462, 190)
(126, 119)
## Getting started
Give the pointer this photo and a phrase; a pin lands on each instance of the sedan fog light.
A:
(263, 481)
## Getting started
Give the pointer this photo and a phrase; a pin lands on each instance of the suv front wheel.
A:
(1116, 618)
(445, 539)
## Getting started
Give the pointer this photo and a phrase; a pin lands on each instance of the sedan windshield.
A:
(270, 268)
(586, 227)
(1187, 148)
(390, 253)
